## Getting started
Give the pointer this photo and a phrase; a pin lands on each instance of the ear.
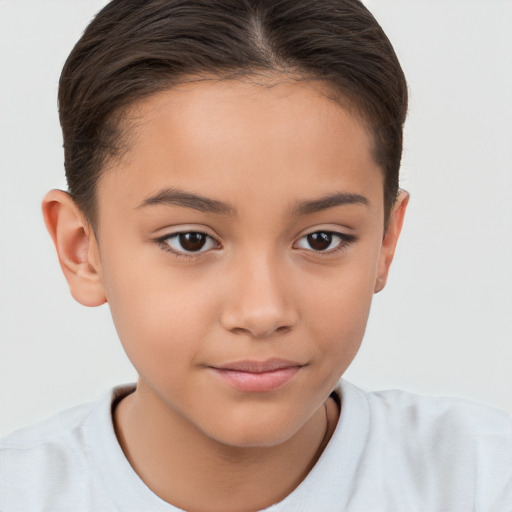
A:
(76, 246)
(390, 239)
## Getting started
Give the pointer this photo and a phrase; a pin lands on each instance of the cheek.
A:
(340, 305)
(156, 312)
(341, 320)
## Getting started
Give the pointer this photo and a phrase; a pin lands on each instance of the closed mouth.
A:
(250, 366)
(257, 376)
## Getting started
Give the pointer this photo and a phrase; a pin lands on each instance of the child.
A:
(233, 195)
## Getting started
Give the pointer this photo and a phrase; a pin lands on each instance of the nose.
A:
(260, 304)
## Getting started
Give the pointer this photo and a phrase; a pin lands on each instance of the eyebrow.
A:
(176, 197)
(328, 201)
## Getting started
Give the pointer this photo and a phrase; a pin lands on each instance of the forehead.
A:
(242, 138)
(232, 105)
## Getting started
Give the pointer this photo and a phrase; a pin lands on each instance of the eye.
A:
(188, 242)
(324, 241)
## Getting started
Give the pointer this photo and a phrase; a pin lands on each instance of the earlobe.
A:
(76, 247)
(390, 239)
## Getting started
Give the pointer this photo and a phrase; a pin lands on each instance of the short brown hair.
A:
(134, 48)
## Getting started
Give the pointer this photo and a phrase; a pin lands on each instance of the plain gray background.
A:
(443, 325)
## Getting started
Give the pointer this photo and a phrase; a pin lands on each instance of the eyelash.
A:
(345, 241)
(164, 243)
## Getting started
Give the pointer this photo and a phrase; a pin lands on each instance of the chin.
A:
(248, 441)
(253, 434)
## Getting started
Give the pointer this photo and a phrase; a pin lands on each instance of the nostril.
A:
(256, 333)
(240, 330)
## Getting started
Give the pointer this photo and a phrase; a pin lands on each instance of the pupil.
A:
(319, 241)
(192, 241)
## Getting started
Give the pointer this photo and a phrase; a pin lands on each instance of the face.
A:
(239, 246)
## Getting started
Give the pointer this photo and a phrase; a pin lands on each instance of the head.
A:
(233, 194)
(133, 49)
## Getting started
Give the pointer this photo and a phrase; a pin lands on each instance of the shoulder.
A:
(426, 413)
(457, 448)
(37, 461)
(32, 450)
(407, 418)
(48, 430)
(45, 466)
(393, 405)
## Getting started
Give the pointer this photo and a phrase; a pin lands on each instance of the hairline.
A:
(124, 119)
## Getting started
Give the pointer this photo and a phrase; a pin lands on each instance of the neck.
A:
(194, 472)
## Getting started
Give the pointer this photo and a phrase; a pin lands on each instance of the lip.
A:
(257, 376)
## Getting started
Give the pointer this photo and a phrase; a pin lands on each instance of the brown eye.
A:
(328, 242)
(188, 242)
(192, 242)
(319, 241)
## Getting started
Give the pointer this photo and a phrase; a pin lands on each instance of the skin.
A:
(256, 290)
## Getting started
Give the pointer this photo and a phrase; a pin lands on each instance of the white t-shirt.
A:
(391, 451)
